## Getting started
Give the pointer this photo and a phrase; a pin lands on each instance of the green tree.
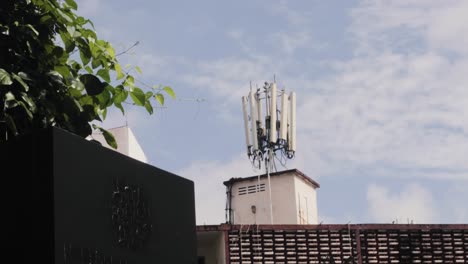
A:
(55, 71)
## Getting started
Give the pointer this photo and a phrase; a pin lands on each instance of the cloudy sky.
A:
(381, 86)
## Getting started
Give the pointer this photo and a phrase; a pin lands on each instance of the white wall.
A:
(306, 202)
(126, 141)
(134, 149)
(286, 191)
(211, 245)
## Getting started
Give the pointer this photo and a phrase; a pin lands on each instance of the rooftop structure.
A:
(294, 199)
(126, 141)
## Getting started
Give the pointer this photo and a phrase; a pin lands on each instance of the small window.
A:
(251, 189)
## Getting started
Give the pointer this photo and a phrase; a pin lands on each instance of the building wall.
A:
(134, 149)
(126, 141)
(306, 202)
(211, 246)
(284, 200)
(242, 204)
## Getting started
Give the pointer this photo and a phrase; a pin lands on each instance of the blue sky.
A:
(381, 86)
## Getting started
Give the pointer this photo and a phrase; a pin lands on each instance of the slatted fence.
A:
(342, 244)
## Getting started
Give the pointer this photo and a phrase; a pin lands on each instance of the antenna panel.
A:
(246, 124)
(292, 136)
(253, 117)
(259, 113)
(284, 117)
(273, 136)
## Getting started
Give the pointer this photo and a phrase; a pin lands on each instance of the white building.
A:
(126, 142)
(293, 199)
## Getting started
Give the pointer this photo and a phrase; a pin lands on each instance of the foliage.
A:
(55, 71)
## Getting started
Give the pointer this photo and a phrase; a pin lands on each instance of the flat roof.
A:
(278, 173)
(229, 227)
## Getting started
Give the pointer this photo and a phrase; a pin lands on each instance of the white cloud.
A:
(413, 203)
(292, 16)
(88, 8)
(449, 28)
(210, 195)
(159, 66)
(229, 78)
(455, 203)
(401, 110)
(443, 25)
(392, 110)
(291, 41)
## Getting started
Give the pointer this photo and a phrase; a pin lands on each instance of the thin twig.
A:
(125, 51)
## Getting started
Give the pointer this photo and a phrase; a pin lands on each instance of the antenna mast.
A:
(274, 132)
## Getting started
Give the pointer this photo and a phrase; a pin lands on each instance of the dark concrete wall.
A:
(68, 197)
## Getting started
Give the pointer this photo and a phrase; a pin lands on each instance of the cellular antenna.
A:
(269, 127)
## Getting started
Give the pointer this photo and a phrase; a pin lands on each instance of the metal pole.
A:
(268, 161)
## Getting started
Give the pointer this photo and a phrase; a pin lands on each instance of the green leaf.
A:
(95, 63)
(89, 113)
(71, 4)
(76, 84)
(80, 21)
(11, 124)
(57, 77)
(169, 91)
(9, 96)
(75, 65)
(120, 94)
(107, 136)
(32, 29)
(18, 79)
(91, 23)
(104, 113)
(29, 46)
(86, 100)
(92, 84)
(63, 70)
(85, 55)
(74, 92)
(149, 107)
(119, 72)
(69, 44)
(110, 50)
(46, 19)
(65, 16)
(138, 69)
(148, 95)
(71, 30)
(58, 51)
(138, 96)
(129, 81)
(5, 77)
(29, 101)
(26, 109)
(109, 139)
(72, 106)
(89, 70)
(119, 106)
(160, 98)
(24, 76)
(104, 99)
(104, 74)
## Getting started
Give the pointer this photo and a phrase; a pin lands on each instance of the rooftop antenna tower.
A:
(269, 126)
